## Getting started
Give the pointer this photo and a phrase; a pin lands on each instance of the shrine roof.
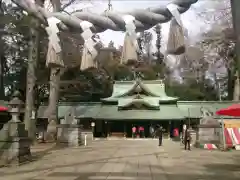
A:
(186, 109)
(147, 89)
(165, 112)
(149, 101)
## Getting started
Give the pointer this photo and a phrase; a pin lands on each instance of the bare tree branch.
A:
(67, 5)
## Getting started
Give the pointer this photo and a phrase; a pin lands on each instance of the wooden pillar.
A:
(197, 143)
(109, 129)
(125, 135)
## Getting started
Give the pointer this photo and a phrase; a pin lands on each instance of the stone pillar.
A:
(197, 143)
(14, 140)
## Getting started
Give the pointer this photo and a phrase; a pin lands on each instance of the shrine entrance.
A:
(123, 128)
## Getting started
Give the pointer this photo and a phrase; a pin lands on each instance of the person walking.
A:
(187, 139)
(141, 131)
(151, 131)
(183, 132)
(159, 134)
(134, 129)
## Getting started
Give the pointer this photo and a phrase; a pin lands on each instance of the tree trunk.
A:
(236, 88)
(235, 5)
(230, 85)
(55, 75)
(2, 94)
(31, 79)
(34, 42)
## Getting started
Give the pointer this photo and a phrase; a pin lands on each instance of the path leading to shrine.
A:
(128, 160)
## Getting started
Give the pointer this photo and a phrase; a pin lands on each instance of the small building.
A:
(137, 103)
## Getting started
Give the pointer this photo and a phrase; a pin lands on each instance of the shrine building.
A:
(137, 103)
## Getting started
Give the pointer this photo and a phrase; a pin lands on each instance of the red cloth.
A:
(141, 128)
(175, 132)
(3, 108)
(233, 110)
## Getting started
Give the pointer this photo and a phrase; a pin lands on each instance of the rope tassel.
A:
(54, 54)
(176, 43)
(130, 46)
(89, 51)
(53, 59)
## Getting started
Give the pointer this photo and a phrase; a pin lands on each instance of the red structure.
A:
(3, 109)
(232, 133)
(233, 110)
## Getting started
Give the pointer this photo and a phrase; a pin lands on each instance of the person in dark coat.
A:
(187, 139)
(159, 134)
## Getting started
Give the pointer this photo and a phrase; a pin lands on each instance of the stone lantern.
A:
(16, 105)
(16, 140)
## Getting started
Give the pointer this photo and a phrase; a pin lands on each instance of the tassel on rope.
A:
(89, 53)
(130, 46)
(176, 43)
(54, 54)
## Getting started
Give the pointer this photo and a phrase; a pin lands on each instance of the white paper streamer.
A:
(131, 29)
(85, 25)
(87, 36)
(89, 51)
(173, 8)
(53, 31)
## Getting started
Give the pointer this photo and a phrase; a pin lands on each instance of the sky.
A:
(194, 24)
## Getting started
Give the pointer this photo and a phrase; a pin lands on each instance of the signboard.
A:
(237, 147)
(232, 123)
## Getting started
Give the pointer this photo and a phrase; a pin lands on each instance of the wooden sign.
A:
(235, 123)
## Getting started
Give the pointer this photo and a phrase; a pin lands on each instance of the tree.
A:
(147, 46)
(2, 58)
(33, 60)
(14, 49)
(54, 85)
(159, 55)
(219, 45)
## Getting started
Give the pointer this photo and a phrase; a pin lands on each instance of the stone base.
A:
(69, 135)
(14, 144)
